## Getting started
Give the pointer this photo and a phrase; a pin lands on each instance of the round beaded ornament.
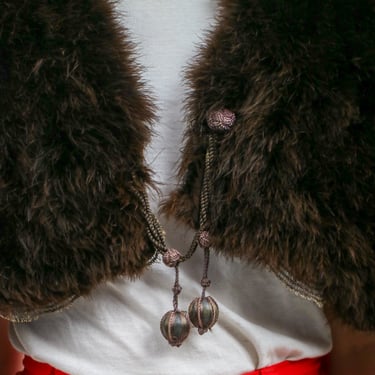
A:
(203, 313)
(175, 327)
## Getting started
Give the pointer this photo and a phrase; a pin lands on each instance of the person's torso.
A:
(116, 330)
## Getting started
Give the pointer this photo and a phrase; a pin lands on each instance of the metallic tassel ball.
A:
(171, 257)
(204, 239)
(221, 120)
(175, 327)
(203, 313)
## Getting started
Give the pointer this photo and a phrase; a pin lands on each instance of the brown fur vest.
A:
(293, 183)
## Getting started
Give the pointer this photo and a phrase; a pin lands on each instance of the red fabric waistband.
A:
(313, 366)
(32, 367)
(309, 366)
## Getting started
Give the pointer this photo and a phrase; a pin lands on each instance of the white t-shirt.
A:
(116, 330)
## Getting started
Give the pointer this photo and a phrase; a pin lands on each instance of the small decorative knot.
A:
(221, 120)
(175, 327)
(203, 313)
(205, 282)
(204, 239)
(177, 289)
(171, 257)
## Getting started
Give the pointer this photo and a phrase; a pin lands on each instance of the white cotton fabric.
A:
(116, 330)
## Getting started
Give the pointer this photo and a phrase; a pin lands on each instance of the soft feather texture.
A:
(293, 183)
(73, 125)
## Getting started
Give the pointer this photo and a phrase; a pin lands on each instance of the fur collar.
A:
(293, 182)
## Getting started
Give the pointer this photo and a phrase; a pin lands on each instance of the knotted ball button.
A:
(206, 282)
(171, 257)
(204, 240)
(221, 120)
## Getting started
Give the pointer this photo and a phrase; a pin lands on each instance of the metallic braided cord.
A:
(204, 198)
(204, 205)
(176, 289)
(156, 233)
(205, 282)
(154, 230)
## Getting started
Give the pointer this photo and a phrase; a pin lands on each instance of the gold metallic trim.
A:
(29, 316)
(299, 288)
